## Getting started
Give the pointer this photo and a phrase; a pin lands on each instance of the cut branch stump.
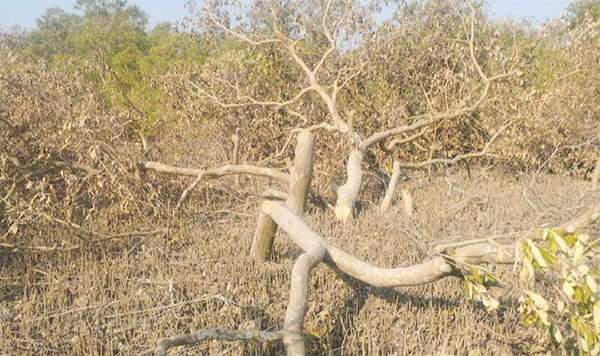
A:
(389, 194)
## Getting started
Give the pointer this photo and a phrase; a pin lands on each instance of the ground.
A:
(120, 299)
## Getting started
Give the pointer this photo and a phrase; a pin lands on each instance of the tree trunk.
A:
(347, 193)
(264, 236)
(235, 158)
(408, 202)
(389, 195)
(301, 174)
(596, 175)
(300, 179)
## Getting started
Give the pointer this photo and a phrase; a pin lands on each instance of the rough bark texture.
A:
(264, 236)
(301, 174)
(347, 193)
(389, 194)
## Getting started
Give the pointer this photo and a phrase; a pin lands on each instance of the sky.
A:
(25, 12)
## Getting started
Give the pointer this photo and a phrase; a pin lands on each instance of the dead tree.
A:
(338, 22)
(447, 263)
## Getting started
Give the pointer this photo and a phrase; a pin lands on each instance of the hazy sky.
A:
(25, 12)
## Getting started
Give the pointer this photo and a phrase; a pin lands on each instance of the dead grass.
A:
(120, 298)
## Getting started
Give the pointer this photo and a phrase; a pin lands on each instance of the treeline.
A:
(112, 45)
(147, 72)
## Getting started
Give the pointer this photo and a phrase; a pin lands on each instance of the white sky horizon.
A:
(25, 12)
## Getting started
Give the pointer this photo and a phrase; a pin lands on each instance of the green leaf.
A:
(539, 258)
(538, 300)
(560, 242)
(578, 295)
(556, 334)
(548, 257)
(596, 313)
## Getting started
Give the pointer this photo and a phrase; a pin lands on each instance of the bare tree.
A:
(330, 70)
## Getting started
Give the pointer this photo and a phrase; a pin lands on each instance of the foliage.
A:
(569, 311)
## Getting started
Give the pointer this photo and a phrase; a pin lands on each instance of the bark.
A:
(596, 175)
(298, 304)
(235, 158)
(301, 174)
(218, 172)
(264, 236)
(389, 194)
(187, 192)
(165, 344)
(427, 272)
(408, 202)
(317, 250)
(347, 193)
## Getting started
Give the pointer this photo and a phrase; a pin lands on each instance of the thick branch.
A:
(301, 174)
(347, 193)
(427, 272)
(299, 189)
(218, 172)
(298, 305)
(389, 194)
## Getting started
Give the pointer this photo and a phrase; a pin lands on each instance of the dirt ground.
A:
(121, 298)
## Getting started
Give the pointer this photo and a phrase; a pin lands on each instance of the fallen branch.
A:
(14, 248)
(215, 334)
(64, 165)
(187, 191)
(218, 172)
(424, 273)
(449, 263)
(299, 189)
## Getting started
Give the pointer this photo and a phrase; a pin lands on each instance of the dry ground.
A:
(119, 299)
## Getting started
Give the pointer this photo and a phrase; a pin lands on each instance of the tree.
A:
(55, 33)
(331, 58)
(331, 46)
